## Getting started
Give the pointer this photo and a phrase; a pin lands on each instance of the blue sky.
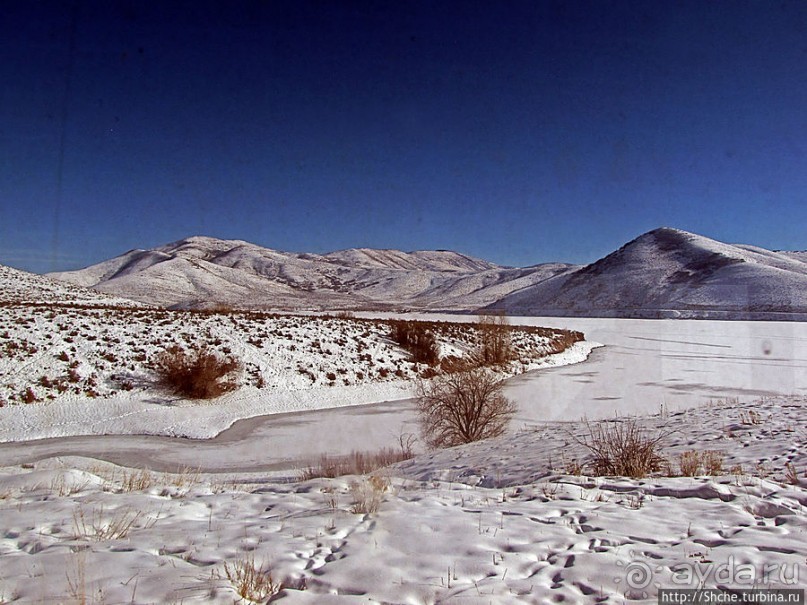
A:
(520, 132)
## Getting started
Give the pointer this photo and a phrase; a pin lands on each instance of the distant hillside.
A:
(663, 273)
(672, 273)
(204, 271)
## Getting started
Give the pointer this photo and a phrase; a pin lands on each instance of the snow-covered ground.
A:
(495, 522)
(501, 521)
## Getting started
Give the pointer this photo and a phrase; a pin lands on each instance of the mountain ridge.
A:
(665, 272)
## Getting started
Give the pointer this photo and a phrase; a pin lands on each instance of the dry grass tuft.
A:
(791, 475)
(98, 526)
(251, 582)
(622, 448)
(694, 462)
(368, 494)
(357, 463)
(136, 480)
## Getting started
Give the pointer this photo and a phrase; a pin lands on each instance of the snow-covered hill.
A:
(203, 271)
(672, 273)
(68, 354)
(21, 287)
(663, 273)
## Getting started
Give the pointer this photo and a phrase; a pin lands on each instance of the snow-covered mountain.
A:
(672, 273)
(203, 271)
(663, 273)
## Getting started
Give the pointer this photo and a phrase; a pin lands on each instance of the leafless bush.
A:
(622, 448)
(462, 407)
(199, 375)
(418, 339)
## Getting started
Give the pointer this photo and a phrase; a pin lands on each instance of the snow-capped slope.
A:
(422, 260)
(668, 272)
(21, 287)
(201, 271)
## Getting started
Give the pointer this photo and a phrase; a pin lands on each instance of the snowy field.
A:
(513, 520)
(496, 522)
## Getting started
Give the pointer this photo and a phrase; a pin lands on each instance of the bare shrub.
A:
(462, 407)
(560, 340)
(622, 448)
(199, 375)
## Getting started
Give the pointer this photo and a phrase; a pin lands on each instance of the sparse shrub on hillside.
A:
(200, 374)
(462, 407)
(417, 339)
(562, 340)
(452, 363)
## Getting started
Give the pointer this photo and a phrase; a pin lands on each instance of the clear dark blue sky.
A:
(521, 132)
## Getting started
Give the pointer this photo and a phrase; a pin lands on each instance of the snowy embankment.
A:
(495, 522)
(86, 371)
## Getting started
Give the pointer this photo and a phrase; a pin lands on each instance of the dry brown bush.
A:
(417, 338)
(462, 407)
(198, 374)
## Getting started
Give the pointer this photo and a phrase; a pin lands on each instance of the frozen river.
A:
(645, 364)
